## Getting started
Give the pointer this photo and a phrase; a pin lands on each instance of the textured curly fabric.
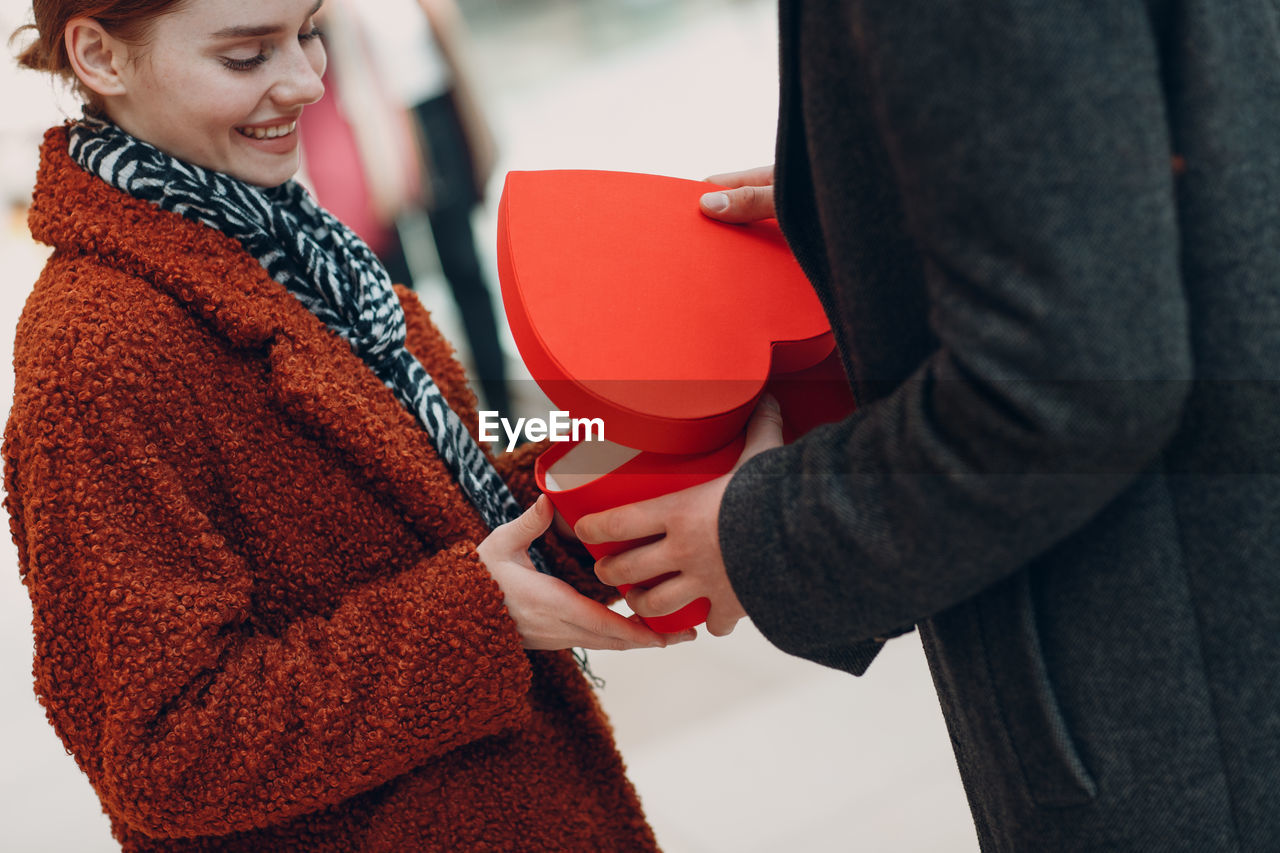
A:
(258, 616)
(323, 264)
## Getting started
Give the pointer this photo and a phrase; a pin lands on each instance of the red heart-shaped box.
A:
(630, 306)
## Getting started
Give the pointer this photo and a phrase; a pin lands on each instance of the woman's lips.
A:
(279, 138)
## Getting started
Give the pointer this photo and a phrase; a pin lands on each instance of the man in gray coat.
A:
(1047, 235)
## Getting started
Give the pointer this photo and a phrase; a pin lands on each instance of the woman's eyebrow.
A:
(259, 30)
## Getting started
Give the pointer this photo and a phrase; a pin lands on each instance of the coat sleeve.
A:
(189, 716)
(1030, 151)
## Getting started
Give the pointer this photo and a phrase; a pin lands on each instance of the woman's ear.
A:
(97, 58)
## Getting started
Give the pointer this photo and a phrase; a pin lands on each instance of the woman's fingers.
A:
(581, 622)
(549, 613)
(532, 523)
(511, 541)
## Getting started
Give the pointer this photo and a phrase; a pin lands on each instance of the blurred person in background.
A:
(281, 598)
(1047, 236)
(388, 60)
(361, 155)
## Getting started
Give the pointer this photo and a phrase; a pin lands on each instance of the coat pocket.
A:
(1051, 767)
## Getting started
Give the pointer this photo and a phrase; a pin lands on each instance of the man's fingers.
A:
(718, 627)
(682, 637)
(747, 197)
(621, 524)
(663, 599)
(634, 565)
(757, 177)
(743, 204)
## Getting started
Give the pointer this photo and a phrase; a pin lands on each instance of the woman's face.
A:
(221, 84)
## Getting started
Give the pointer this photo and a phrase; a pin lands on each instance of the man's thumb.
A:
(743, 204)
(764, 430)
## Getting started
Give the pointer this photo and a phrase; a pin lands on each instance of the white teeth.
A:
(268, 132)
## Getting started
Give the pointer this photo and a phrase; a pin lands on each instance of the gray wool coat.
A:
(1047, 234)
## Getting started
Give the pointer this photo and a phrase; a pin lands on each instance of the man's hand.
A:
(550, 614)
(750, 197)
(687, 522)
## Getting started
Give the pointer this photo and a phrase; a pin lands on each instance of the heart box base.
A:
(630, 306)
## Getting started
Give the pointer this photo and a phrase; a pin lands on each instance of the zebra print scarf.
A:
(323, 264)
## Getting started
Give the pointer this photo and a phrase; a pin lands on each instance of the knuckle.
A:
(743, 198)
(529, 521)
(758, 198)
(682, 547)
(667, 599)
(771, 415)
(641, 602)
(597, 623)
(658, 602)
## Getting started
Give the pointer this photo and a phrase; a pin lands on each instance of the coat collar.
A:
(203, 269)
(313, 373)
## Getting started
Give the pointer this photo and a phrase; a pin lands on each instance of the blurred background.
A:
(732, 745)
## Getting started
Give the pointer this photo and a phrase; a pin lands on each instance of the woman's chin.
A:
(266, 174)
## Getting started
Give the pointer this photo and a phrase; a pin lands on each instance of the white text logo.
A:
(557, 427)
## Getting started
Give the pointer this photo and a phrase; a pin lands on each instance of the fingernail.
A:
(715, 202)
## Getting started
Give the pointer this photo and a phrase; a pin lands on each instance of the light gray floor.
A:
(732, 745)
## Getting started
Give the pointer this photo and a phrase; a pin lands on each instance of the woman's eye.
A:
(236, 64)
(244, 64)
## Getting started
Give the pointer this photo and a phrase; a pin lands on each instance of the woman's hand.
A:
(748, 199)
(550, 614)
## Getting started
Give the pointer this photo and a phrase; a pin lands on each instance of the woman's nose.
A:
(300, 82)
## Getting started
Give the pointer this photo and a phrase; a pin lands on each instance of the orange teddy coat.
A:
(260, 620)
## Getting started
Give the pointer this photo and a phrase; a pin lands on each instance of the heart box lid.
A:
(629, 305)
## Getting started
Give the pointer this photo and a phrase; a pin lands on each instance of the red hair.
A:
(128, 20)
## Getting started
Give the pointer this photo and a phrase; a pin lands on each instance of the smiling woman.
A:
(225, 97)
(282, 598)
